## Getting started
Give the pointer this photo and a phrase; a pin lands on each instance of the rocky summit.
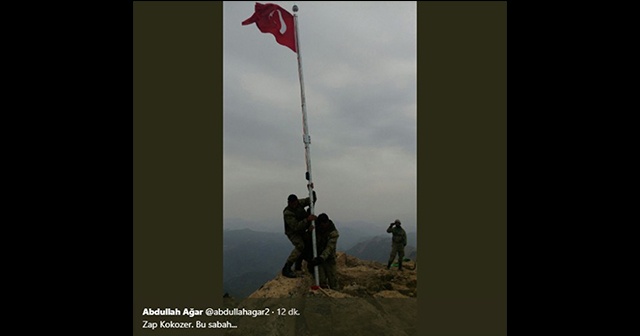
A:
(369, 300)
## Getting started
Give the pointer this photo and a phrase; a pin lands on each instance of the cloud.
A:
(359, 69)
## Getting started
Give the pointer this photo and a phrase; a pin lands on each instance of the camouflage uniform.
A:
(398, 242)
(295, 225)
(326, 244)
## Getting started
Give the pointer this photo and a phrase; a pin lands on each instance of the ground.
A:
(370, 300)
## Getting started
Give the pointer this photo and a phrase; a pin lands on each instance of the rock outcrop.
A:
(369, 300)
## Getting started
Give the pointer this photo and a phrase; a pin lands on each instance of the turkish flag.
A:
(271, 18)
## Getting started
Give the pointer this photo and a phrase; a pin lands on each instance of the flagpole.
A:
(306, 139)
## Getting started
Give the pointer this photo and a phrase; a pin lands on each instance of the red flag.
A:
(271, 18)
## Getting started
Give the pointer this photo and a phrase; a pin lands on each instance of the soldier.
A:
(296, 222)
(326, 243)
(398, 242)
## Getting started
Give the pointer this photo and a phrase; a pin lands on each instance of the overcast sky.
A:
(359, 67)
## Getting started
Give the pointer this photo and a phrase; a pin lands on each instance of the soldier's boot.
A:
(400, 265)
(286, 270)
(389, 265)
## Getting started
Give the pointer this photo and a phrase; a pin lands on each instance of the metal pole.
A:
(307, 141)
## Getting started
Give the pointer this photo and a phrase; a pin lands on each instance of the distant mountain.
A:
(262, 226)
(351, 232)
(378, 249)
(250, 258)
(349, 237)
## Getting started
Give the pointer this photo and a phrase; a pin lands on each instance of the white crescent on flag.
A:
(283, 25)
(273, 19)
